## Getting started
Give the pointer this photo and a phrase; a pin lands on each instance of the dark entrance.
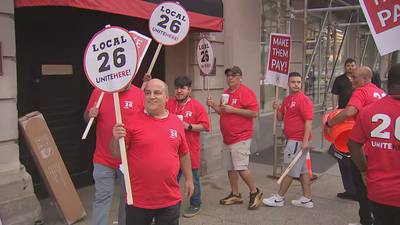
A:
(58, 36)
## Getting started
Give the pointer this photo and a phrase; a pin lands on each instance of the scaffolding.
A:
(326, 43)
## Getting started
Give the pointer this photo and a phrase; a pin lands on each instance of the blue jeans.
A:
(195, 200)
(104, 178)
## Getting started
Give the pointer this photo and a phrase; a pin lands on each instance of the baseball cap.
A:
(233, 70)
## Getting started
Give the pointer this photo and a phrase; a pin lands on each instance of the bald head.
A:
(364, 71)
(361, 76)
(156, 96)
(158, 83)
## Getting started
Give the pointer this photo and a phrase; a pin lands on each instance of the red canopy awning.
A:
(204, 14)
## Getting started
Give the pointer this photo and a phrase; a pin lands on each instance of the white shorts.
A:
(291, 149)
(236, 156)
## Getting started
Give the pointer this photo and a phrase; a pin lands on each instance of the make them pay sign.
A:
(110, 59)
(279, 54)
(169, 23)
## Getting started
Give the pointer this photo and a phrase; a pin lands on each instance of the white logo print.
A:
(128, 105)
(188, 114)
(173, 133)
(293, 104)
(234, 101)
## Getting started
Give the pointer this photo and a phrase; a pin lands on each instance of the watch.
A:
(190, 127)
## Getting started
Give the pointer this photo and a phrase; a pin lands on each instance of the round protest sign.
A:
(205, 56)
(111, 59)
(169, 23)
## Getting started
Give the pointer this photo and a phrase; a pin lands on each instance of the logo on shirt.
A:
(292, 104)
(128, 105)
(234, 101)
(189, 114)
(173, 134)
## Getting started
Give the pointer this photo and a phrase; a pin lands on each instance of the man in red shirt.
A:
(377, 129)
(105, 167)
(297, 115)
(156, 149)
(236, 124)
(364, 94)
(194, 118)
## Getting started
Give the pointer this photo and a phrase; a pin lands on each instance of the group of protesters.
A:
(162, 137)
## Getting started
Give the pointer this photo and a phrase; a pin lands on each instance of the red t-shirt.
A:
(130, 101)
(236, 128)
(193, 112)
(365, 95)
(296, 109)
(153, 149)
(377, 127)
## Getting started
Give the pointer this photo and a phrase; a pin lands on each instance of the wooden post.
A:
(122, 148)
(92, 119)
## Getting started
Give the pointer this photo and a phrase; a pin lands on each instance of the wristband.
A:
(190, 127)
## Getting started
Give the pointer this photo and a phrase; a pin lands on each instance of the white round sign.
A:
(205, 56)
(169, 23)
(111, 59)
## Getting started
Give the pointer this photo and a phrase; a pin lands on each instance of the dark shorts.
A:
(164, 216)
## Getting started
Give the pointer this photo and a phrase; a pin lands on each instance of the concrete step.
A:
(15, 185)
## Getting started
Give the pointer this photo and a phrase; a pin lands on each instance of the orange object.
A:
(309, 167)
(340, 132)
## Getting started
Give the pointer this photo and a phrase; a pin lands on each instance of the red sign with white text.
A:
(384, 14)
(278, 60)
(383, 17)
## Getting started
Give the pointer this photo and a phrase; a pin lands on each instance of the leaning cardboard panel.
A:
(51, 166)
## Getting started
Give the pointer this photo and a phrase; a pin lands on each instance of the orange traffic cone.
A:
(308, 160)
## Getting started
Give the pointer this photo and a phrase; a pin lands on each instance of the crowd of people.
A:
(162, 137)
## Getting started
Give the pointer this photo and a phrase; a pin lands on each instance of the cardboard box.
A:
(51, 166)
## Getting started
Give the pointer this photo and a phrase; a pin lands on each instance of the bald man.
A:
(365, 93)
(156, 149)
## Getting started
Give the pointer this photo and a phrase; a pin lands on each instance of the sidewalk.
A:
(328, 210)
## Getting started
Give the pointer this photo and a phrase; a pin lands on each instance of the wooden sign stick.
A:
(92, 118)
(122, 149)
(294, 161)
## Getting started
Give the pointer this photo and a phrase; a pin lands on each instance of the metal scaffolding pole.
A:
(317, 43)
(330, 9)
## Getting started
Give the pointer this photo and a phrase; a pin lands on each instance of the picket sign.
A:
(110, 64)
(142, 44)
(169, 24)
(205, 61)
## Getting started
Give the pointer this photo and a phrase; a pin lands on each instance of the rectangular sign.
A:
(142, 44)
(383, 17)
(278, 60)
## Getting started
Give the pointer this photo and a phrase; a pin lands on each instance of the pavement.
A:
(328, 209)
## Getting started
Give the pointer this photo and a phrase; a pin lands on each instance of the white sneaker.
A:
(355, 224)
(303, 202)
(274, 201)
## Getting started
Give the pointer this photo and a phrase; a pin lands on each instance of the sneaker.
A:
(255, 199)
(355, 224)
(192, 211)
(347, 195)
(303, 202)
(274, 201)
(231, 199)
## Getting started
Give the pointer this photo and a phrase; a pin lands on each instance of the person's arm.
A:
(241, 112)
(118, 132)
(307, 132)
(335, 100)
(213, 105)
(187, 172)
(348, 112)
(357, 155)
(195, 127)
